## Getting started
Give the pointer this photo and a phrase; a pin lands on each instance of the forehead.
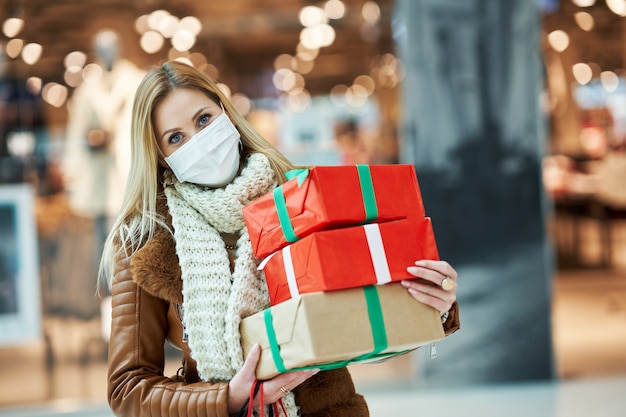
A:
(179, 106)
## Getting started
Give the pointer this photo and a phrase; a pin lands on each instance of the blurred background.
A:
(513, 113)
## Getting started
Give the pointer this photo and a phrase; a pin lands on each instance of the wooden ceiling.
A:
(241, 37)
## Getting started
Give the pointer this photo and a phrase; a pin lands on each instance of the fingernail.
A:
(315, 371)
(420, 263)
(405, 283)
(412, 270)
(255, 348)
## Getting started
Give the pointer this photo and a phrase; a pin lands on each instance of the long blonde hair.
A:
(138, 219)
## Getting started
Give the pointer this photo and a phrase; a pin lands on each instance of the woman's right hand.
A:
(239, 386)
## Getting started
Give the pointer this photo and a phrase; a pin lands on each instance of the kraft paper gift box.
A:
(326, 197)
(335, 259)
(329, 330)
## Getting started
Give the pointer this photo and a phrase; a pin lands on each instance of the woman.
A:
(182, 263)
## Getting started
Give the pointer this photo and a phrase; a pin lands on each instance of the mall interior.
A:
(513, 113)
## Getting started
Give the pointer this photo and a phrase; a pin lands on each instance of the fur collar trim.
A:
(155, 267)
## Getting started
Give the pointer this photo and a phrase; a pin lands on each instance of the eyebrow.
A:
(195, 116)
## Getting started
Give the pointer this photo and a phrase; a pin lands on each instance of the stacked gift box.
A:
(335, 241)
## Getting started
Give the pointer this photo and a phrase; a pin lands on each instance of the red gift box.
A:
(329, 197)
(335, 259)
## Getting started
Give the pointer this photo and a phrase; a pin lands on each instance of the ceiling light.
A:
(31, 53)
(582, 73)
(12, 26)
(584, 3)
(366, 82)
(609, 80)
(92, 73)
(73, 76)
(75, 59)
(617, 6)
(338, 95)
(155, 18)
(224, 89)
(192, 24)
(312, 16)
(558, 40)
(141, 24)
(168, 25)
(14, 47)
(284, 79)
(54, 94)
(242, 103)
(34, 85)
(335, 9)
(584, 20)
(283, 61)
(370, 12)
(183, 40)
(151, 42)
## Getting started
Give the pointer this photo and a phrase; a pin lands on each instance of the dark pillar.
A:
(473, 128)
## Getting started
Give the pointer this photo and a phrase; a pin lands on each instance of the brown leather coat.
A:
(145, 294)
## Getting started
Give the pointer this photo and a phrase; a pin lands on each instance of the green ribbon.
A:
(271, 336)
(301, 174)
(281, 204)
(377, 324)
(367, 192)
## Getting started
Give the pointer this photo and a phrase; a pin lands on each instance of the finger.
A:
(435, 275)
(428, 294)
(122, 262)
(287, 381)
(442, 267)
(247, 373)
(437, 303)
(239, 385)
(435, 291)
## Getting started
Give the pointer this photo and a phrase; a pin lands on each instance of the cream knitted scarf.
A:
(214, 299)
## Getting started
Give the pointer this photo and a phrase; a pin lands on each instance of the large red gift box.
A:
(330, 197)
(376, 253)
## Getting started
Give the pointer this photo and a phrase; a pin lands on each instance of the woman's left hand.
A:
(423, 290)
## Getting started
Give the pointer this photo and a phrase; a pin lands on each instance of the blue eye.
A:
(204, 119)
(175, 138)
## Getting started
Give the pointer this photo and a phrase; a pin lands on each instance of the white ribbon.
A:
(289, 270)
(377, 253)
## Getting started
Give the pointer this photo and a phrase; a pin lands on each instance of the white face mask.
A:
(210, 157)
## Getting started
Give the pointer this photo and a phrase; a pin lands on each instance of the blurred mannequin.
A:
(96, 159)
(98, 133)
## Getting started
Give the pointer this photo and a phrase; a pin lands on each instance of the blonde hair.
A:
(138, 220)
